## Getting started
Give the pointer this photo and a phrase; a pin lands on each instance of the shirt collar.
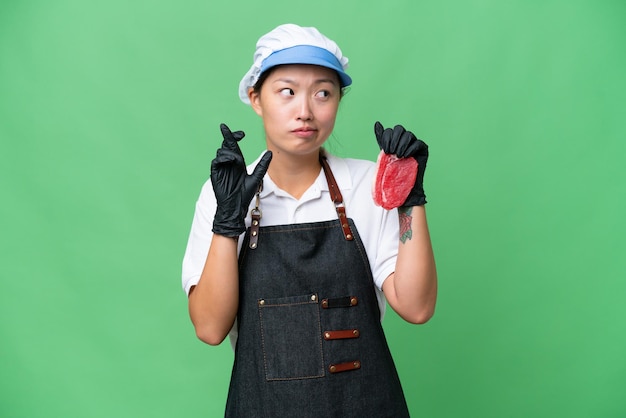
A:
(337, 165)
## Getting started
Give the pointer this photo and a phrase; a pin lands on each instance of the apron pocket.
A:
(291, 337)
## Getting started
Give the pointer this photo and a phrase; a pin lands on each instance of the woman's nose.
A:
(305, 111)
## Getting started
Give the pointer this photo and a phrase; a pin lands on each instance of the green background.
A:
(109, 115)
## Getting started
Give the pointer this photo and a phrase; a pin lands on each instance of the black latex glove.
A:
(234, 188)
(403, 144)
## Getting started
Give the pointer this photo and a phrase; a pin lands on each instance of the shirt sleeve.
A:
(199, 238)
(387, 253)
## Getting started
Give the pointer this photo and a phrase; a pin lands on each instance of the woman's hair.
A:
(257, 86)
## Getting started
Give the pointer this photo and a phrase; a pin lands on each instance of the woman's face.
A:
(298, 104)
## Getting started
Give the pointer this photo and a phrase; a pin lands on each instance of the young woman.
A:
(292, 257)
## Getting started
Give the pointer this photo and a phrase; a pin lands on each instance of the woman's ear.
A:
(255, 101)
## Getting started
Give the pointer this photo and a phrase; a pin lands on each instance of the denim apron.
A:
(310, 340)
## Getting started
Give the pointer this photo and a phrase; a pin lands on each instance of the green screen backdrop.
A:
(109, 118)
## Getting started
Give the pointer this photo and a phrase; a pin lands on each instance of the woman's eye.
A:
(287, 92)
(323, 93)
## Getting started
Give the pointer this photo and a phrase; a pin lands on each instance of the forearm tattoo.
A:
(406, 233)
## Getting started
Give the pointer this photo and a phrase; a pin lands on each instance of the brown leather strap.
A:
(256, 215)
(254, 228)
(344, 367)
(344, 302)
(341, 334)
(337, 198)
(335, 195)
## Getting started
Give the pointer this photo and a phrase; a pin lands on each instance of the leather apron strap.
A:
(335, 196)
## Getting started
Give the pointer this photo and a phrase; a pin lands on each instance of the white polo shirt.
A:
(377, 227)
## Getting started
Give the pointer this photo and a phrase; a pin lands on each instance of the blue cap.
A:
(306, 54)
(293, 44)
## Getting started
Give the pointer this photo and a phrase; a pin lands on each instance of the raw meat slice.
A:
(393, 180)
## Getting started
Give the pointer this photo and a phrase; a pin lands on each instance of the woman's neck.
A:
(294, 175)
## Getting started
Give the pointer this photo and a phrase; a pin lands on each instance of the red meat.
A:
(393, 180)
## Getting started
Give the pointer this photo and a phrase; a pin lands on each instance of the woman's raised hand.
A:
(403, 144)
(234, 188)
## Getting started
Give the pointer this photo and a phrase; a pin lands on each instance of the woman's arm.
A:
(213, 302)
(412, 289)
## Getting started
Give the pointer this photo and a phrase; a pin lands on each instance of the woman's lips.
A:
(304, 132)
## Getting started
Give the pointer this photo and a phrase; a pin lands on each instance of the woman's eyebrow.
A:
(284, 80)
(294, 82)
(325, 80)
